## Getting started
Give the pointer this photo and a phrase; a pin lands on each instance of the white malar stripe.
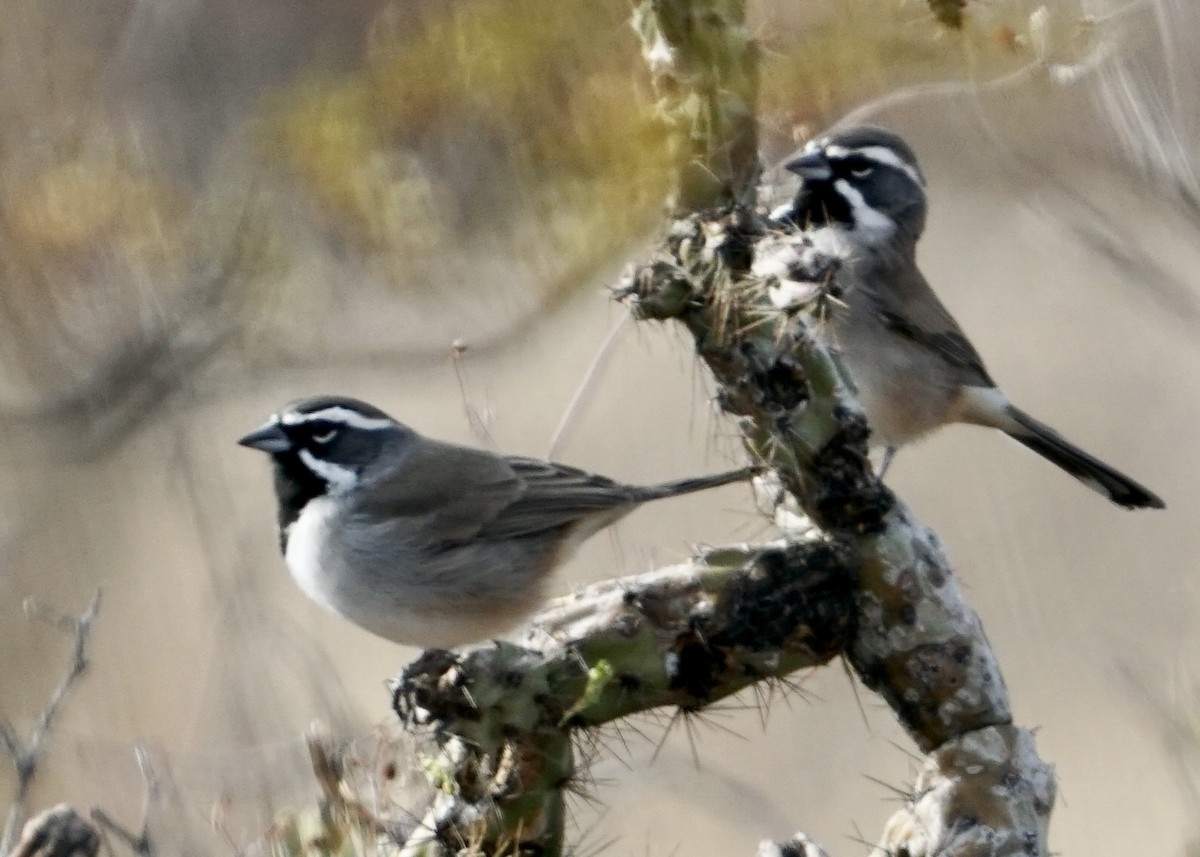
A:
(880, 155)
(339, 479)
(873, 227)
(337, 414)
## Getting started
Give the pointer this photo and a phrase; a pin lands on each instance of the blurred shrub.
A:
(519, 121)
(89, 247)
(529, 122)
(74, 206)
(507, 144)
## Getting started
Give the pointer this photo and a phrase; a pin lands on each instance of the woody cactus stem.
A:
(683, 636)
(918, 643)
(705, 71)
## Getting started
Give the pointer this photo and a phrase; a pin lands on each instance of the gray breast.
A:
(903, 386)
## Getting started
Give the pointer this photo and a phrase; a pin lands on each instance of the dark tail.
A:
(698, 483)
(1091, 471)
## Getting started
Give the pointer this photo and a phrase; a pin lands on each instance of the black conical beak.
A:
(269, 437)
(811, 165)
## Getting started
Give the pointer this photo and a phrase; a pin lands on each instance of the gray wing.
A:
(445, 494)
(911, 310)
(556, 495)
(442, 493)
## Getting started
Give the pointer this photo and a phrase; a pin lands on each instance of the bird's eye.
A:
(858, 166)
(326, 437)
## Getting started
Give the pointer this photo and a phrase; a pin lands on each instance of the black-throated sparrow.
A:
(862, 200)
(423, 542)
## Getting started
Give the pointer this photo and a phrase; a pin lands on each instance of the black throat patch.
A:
(295, 486)
(819, 204)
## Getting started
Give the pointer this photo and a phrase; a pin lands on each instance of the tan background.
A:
(207, 653)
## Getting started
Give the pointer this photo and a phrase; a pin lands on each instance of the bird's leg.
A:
(889, 453)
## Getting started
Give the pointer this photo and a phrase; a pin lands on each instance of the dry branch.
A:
(27, 755)
(139, 843)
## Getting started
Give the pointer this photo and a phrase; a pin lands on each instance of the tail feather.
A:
(695, 483)
(1088, 469)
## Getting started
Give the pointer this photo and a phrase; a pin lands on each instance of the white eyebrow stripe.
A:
(880, 155)
(337, 414)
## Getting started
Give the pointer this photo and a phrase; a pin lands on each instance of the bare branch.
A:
(26, 758)
(586, 386)
(139, 843)
(8, 737)
(993, 787)
(80, 627)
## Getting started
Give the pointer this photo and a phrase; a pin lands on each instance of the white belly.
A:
(306, 554)
(390, 601)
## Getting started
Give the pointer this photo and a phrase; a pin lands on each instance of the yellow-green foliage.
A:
(82, 238)
(552, 97)
(554, 83)
(75, 206)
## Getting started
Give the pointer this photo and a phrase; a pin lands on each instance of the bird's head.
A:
(323, 444)
(863, 180)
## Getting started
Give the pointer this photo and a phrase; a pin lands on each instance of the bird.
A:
(862, 200)
(427, 543)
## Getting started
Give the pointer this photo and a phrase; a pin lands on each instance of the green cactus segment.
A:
(705, 69)
(502, 715)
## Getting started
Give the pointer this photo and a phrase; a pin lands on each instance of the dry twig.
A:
(26, 755)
